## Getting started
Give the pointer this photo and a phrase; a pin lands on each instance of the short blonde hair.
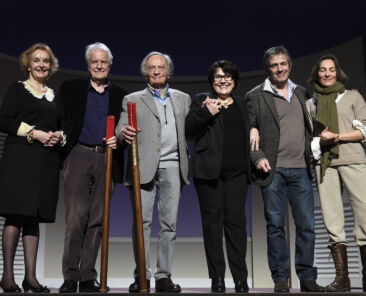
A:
(25, 57)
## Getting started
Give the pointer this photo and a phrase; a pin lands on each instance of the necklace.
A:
(36, 87)
(226, 103)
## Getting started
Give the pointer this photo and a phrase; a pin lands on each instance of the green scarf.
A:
(327, 115)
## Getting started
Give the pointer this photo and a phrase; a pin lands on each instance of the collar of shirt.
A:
(162, 95)
(106, 86)
(268, 86)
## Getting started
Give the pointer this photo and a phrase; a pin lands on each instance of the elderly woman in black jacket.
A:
(220, 168)
(29, 169)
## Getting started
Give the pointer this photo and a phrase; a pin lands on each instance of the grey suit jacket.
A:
(149, 140)
(262, 113)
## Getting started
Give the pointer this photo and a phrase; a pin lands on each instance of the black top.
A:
(234, 150)
(29, 172)
(72, 103)
(21, 106)
(209, 134)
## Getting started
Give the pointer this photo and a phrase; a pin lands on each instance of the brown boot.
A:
(363, 260)
(341, 282)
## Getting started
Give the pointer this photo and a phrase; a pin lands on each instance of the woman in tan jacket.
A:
(339, 128)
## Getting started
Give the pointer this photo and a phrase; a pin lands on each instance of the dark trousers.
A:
(84, 173)
(222, 205)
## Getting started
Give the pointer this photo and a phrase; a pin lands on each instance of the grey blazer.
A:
(149, 137)
(262, 113)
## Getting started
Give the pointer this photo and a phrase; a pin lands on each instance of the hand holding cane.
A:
(106, 207)
(132, 121)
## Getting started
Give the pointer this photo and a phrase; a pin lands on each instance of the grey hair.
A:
(98, 45)
(273, 51)
(165, 56)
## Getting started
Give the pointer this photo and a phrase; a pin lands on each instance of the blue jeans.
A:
(295, 184)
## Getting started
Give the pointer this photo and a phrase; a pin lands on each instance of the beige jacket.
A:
(351, 115)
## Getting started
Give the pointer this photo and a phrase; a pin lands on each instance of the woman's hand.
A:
(55, 138)
(328, 138)
(254, 139)
(214, 106)
(208, 100)
(42, 137)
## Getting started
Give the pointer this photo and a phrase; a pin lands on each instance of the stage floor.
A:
(205, 291)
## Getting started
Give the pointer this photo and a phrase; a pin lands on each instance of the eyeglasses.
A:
(226, 77)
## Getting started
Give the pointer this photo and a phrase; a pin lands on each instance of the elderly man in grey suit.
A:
(277, 109)
(163, 161)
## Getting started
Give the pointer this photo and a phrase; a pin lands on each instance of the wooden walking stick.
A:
(106, 207)
(132, 121)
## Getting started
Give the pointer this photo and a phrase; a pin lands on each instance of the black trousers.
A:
(222, 205)
(84, 178)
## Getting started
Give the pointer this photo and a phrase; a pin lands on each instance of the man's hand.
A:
(128, 133)
(112, 142)
(263, 165)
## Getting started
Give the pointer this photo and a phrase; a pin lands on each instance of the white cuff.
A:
(315, 148)
(63, 141)
(358, 125)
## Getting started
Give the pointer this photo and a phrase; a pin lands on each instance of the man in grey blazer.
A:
(163, 161)
(277, 109)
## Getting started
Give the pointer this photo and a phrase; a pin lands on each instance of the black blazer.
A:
(263, 115)
(208, 133)
(71, 103)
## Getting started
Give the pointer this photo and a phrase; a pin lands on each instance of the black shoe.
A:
(282, 287)
(40, 289)
(241, 287)
(218, 285)
(311, 286)
(90, 286)
(69, 286)
(14, 289)
(165, 285)
(135, 286)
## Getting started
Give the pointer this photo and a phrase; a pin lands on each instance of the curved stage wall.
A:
(189, 265)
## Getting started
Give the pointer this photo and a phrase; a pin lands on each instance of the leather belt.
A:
(100, 149)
